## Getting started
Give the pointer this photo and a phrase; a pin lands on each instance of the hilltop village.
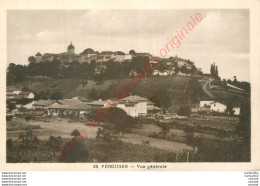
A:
(101, 59)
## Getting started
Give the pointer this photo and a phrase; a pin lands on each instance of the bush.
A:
(103, 136)
(121, 121)
(79, 153)
(75, 132)
(54, 142)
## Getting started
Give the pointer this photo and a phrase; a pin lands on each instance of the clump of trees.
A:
(214, 71)
(240, 84)
(121, 121)
(75, 150)
(53, 143)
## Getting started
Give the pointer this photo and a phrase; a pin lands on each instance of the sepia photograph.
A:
(128, 86)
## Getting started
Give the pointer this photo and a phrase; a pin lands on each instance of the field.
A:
(64, 128)
(143, 144)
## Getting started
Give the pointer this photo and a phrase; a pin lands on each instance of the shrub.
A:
(75, 132)
(79, 153)
(53, 143)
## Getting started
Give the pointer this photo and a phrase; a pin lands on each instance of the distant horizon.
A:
(218, 38)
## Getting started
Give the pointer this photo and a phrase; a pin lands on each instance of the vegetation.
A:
(12, 126)
(11, 106)
(240, 84)
(214, 71)
(30, 149)
(117, 120)
(244, 131)
(184, 111)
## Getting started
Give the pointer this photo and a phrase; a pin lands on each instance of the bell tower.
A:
(71, 49)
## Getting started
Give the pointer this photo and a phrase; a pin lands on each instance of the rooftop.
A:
(134, 98)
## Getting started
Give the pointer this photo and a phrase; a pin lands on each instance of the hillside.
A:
(164, 91)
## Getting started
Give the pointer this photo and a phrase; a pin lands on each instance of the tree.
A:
(104, 136)
(184, 69)
(31, 59)
(54, 143)
(224, 83)
(28, 139)
(75, 132)
(176, 70)
(164, 128)
(156, 100)
(230, 108)
(235, 79)
(121, 120)
(28, 117)
(132, 52)
(79, 152)
(93, 94)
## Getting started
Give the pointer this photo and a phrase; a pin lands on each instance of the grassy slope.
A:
(171, 90)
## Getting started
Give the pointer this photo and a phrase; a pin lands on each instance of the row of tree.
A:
(214, 70)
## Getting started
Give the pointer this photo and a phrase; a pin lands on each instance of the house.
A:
(164, 73)
(18, 94)
(29, 105)
(81, 98)
(134, 105)
(150, 106)
(169, 72)
(128, 57)
(42, 104)
(156, 72)
(26, 95)
(68, 107)
(181, 63)
(205, 103)
(97, 105)
(153, 61)
(89, 52)
(105, 56)
(236, 108)
(218, 107)
(119, 56)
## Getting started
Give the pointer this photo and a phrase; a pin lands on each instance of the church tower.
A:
(38, 57)
(71, 49)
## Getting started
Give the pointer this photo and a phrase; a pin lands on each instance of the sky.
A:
(222, 36)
